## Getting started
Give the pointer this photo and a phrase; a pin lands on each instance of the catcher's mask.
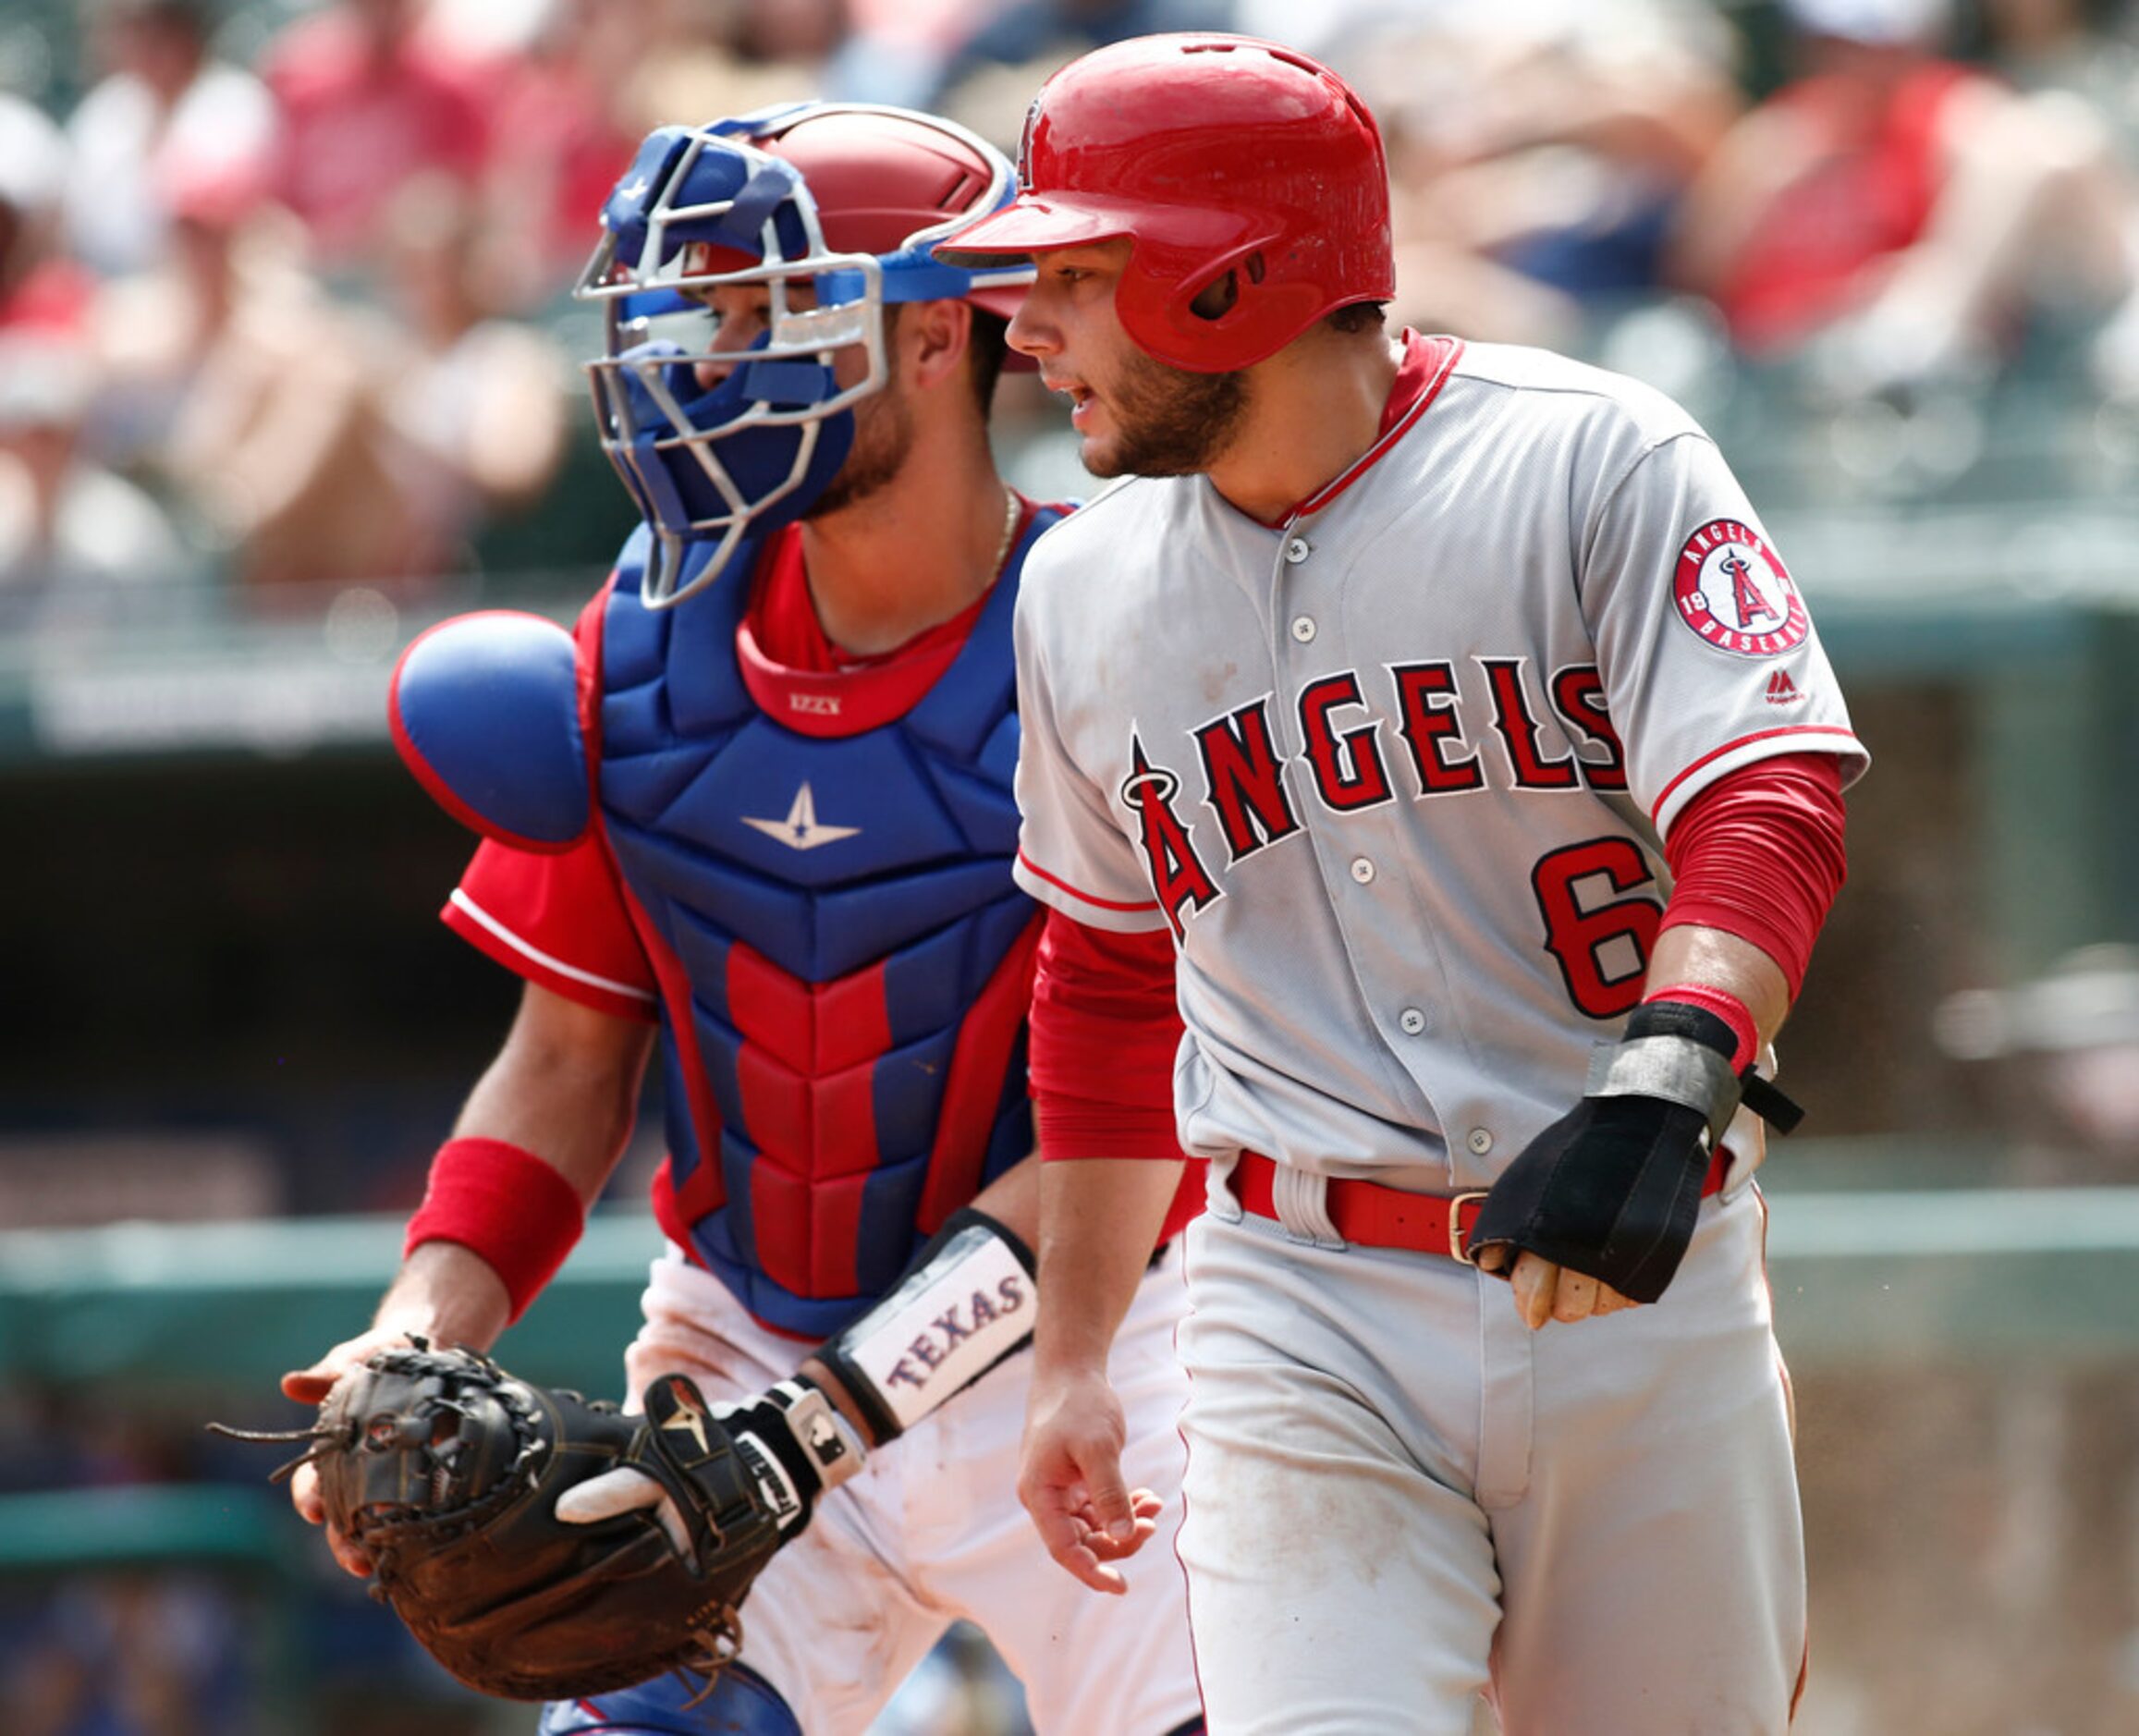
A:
(1250, 181)
(846, 198)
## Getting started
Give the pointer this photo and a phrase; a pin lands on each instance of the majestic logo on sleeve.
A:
(1733, 590)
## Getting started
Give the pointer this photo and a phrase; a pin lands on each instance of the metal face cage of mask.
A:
(703, 207)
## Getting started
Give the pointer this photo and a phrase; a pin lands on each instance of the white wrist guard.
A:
(966, 1302)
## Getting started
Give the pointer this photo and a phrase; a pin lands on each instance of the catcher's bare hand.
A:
(310, 1386)
(445, 1294)
(1544, 1291)
(1070, 1480)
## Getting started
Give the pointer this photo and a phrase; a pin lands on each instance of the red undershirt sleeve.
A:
(1759, 854)
(1106, 1029)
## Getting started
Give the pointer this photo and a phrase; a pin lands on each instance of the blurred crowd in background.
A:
(284, 285)
(284, 320)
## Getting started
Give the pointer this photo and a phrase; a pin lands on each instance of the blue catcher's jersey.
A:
(844, 959)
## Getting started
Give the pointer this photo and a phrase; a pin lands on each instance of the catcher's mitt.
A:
(445, 1470)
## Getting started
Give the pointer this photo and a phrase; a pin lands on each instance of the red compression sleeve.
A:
(503, 1204)
(1759, 854)
(1105, 1032)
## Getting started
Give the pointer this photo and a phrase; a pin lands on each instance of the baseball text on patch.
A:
(1734, 591)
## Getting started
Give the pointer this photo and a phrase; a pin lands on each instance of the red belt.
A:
(1378, 1216)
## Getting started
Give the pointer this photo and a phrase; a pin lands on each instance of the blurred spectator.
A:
(896, 51)
(1905, 211)
(569, 108)
(130, 1654)
(2070, 1039)
(1022, 32)
(565, 125)
(708, 57)
(929, 54)
(1333, 31)
(2069, 50)
(477, 402)
(78, 544)
(162, 100)
(2072, 46)
(487, 31)
(1539, 154)
(803, 33)
(40, 290)
(367, 103)
(237, 384)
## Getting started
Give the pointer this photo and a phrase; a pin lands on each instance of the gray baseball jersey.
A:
(1395, 773)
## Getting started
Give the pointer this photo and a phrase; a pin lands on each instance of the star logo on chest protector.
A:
(799, 830)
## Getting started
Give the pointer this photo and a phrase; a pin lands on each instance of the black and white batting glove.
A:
(1613, 1188)
(797, 1445)
(791, 1439)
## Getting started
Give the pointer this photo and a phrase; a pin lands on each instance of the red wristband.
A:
(503, 1204)
(1726, 1007)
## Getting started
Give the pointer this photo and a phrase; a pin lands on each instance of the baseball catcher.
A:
(447, 1471)
(815, 618)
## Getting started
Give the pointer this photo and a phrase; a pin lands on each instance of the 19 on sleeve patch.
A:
(1733, 591)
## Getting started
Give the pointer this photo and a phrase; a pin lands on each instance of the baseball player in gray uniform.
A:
(1438, 723)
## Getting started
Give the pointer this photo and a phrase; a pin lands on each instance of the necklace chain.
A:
(1011, 509)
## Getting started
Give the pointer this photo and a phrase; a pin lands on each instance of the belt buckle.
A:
(1457, 1252)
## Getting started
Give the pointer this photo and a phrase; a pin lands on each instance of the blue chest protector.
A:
(848, 1064)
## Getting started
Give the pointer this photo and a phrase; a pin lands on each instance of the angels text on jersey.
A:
(1453, 736)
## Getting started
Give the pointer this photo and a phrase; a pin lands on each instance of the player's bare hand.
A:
(1544, 1291)
(1071, 1480)
(310, 1386)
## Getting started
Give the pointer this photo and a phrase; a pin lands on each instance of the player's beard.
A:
(1169, 422)
(883, 438)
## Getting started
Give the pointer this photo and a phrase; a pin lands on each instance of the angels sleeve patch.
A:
(1734, 591)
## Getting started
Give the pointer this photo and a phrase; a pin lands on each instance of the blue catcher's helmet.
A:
(847, 197)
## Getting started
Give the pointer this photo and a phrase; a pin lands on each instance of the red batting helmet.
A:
(1213, 154)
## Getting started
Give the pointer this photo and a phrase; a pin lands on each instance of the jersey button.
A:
(1304, 628)
(1297, 549)
(1361, 870)
(1413, 1021)
(1479, 1142)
